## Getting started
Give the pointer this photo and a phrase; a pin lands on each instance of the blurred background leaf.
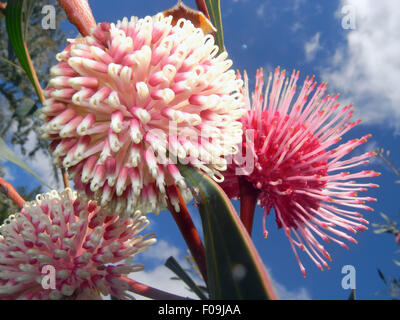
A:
(7, 154)
(8, 207)
(391, 227)
(18, 100)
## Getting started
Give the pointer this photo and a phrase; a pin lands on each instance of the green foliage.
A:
(18, 100)
(8, 207)
(234, 269)
(214, 9)
(390, 227)
(7, 154)
(392, 286)
(175, 267)
(14, 23)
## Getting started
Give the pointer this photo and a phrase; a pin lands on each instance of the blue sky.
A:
(359, 63)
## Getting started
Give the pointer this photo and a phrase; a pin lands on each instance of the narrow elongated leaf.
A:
(175, 267)
(386, 218)
(382, 276)
(352, 295)
(214, 9)
(7, 154)
(16, 37)
(382, 230)
(234, 268)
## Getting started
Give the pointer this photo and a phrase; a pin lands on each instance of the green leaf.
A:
(234, 268)
(382, 230)
(14, 18)
(214, 9)
(7, 154)
(382, 276)
(174, 266)
(386, 218)
(352, 295)
(396, 283)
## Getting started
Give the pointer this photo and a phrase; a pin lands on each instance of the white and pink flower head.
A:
(299, 169)
(127, 103)
(78, 241)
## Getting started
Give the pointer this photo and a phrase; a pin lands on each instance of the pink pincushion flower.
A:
(80, 240)
(127, 103)
(296, 170)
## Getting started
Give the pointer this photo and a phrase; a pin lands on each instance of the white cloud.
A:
(160, 278)
(296, 26)
(312, 47)
(284, 293)
(366, 70)
(260, 10)
(297, 4)
(161, 251)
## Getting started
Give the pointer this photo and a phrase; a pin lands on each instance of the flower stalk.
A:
(189, 233)
(65, 177)
(11, 193)
(79, 14)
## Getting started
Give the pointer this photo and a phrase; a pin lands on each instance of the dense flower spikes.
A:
(297, 171)
(127, 103)
(78, 240)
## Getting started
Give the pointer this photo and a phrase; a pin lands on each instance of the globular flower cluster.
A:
(127, 103)
(297, 172)
(81, 242)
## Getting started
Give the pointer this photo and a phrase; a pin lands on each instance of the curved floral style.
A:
(81, 242)
(297, 171)
(127, 103)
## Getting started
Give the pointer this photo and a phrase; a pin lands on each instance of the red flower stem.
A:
(65, 177)
(248, 202)
(190, 234)
(11, 193)
(79, 14)
(150, 292)
(201, 5)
